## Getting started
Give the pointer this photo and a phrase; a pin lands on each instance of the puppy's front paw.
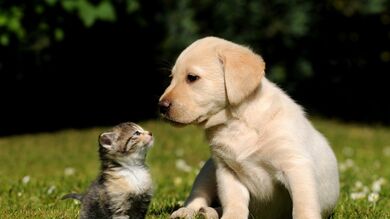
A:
(187, 213)
(208, 213)
(120, 217)
(231, 216)
(235, 215)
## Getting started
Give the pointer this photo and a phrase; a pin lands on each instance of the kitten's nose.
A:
(164, 106)
(150, 133)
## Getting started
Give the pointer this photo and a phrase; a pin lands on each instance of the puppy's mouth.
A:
(175, 122)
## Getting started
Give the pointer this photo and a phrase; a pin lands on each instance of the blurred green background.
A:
(94, 63)
(80, 63)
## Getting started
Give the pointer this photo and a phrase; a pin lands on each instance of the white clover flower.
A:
(348, 151)
(19, 194)
(365, 190)
(358, 185)
(386, 151)
(69, 171)
(349, 163)
(51, 189)
(177, 181)
(25, 179)
(343, 166)
(377, 185)
(373, 197)
(360, 191)
(182, 165)
(357, 195)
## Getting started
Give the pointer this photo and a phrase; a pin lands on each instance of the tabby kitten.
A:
(123, 189)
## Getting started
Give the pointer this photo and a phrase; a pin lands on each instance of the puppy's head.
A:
(209, 75)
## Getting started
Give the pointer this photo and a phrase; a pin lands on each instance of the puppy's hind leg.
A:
(303, 189)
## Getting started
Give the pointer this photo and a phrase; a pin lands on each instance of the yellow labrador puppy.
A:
(267, 160)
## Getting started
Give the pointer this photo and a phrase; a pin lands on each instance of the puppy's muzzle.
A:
(164, 106)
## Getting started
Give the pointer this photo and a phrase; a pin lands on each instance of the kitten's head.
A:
(126, 142)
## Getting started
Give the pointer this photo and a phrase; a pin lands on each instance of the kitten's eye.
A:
(137, 133)
(191, 78)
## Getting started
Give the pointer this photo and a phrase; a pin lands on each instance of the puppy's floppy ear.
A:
(243, 70)
(107, 139)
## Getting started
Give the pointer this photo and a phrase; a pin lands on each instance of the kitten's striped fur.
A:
(124, 187)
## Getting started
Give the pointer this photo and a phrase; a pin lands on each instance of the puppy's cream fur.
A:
(267, 159)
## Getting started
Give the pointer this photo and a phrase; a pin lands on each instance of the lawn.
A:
(36, 170)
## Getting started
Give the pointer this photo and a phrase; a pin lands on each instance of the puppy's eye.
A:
(191, 78)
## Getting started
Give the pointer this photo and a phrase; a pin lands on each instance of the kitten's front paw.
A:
(208, 213)
(187, 213)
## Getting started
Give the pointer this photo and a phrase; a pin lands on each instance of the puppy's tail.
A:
(73, 196)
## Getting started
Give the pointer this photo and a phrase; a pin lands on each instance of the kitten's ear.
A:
(107, 139)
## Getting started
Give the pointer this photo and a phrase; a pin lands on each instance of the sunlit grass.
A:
(36, 170)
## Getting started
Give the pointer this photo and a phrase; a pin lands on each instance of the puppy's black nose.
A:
(164, 106)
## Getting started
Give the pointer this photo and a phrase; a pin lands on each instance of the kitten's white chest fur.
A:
(125, 180)
(137, 177)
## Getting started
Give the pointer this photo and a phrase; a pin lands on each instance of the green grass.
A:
(33, 169)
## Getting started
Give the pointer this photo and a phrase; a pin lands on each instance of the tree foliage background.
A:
(75, 63)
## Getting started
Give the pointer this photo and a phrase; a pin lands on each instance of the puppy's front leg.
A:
(234, 196)
(203, 193)
(303, 189)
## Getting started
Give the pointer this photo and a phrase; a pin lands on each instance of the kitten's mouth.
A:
(150, 142)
